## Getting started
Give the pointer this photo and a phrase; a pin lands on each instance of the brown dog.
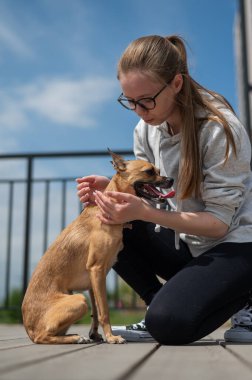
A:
(80, 259)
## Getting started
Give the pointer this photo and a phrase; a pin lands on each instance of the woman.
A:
(203, 249)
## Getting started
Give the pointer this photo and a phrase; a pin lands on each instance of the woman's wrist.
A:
(146, 212)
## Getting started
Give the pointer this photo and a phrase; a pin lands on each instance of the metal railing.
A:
(23, 253)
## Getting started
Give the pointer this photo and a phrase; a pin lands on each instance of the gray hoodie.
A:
(226, 190)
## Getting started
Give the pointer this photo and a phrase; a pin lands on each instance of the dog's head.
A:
(144, 177)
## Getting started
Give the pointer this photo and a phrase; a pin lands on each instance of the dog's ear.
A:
(118, 162)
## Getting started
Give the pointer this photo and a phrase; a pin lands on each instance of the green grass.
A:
(10, 316)
(119, 317)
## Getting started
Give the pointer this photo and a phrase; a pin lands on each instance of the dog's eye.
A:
(150, 172)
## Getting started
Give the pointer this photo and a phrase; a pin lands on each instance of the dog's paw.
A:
(84, 340)
(115, 339)
(96, 337)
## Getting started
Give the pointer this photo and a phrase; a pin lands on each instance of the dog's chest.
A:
(81, 281)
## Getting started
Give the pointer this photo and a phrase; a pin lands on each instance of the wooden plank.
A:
(194, 362)
(105, 362)
(13, 336)
(205, 359)
(91, 362)
(240, 351)
(8, 331)
(7, 344)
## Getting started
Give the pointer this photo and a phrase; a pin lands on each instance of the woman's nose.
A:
(140, 111)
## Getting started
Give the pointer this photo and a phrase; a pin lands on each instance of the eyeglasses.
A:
(148, 103)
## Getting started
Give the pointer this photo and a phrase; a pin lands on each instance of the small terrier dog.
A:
(79, 259)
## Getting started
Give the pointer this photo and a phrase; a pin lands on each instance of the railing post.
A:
(9, 235)
(246, 86)
(63, 206)
(47, 190)
(27, 222)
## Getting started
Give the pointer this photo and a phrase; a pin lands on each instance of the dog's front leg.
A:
(93, 333)
(98, 282)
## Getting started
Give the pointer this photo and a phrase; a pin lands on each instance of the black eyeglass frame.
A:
(135, 102)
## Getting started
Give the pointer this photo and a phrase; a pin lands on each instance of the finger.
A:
(84, 185)
(105, 219)
(83, 190)
(102, 198)
(84, 198)
(119, 197)
(80, 180)
(89, 179)
(103, 206)
(87, 202)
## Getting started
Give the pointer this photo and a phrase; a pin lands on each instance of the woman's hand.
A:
(119, 208)
(87, 185)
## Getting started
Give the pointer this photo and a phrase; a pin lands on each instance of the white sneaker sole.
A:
(133, 335)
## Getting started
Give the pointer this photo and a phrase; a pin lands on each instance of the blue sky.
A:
(58, 58)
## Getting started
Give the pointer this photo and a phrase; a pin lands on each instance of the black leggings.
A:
(199, 294)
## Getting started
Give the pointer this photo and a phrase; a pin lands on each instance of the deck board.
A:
(196, 361)
(207, 359)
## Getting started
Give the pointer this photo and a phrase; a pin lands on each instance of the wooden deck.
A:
(209, 358)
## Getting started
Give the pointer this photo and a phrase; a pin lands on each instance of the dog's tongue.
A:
(170, 194)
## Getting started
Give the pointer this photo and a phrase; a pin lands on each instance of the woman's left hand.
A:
(118, 208)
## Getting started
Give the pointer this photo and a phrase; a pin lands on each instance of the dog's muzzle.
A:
(155, 191)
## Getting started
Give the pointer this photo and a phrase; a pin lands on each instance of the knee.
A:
(170, 328)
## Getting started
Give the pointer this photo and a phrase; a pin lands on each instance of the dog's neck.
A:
(118, 183)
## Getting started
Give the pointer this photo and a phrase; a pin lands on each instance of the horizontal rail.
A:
(98, 153)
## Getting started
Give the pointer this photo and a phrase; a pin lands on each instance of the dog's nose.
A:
(168, 182)
(171, 181)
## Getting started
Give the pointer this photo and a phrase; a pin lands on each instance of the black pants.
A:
(199, 295)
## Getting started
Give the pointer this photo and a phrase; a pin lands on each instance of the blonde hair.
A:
(162, 58)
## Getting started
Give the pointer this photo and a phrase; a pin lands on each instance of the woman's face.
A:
(136, 85)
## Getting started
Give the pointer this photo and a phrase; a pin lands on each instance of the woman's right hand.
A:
(87, 185)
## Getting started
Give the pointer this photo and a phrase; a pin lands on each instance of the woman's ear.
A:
(177, 83)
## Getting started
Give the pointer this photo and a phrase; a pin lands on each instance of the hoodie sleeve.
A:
(223, 183)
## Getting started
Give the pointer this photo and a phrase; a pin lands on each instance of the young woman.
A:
(203, 249)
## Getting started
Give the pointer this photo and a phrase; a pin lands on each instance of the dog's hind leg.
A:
(66, 310)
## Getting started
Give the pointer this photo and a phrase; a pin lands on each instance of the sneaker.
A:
(241, 330)
(136, 332)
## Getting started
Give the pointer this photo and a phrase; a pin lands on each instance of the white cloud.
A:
(11, 113)
(72, 102)
(12, 41)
